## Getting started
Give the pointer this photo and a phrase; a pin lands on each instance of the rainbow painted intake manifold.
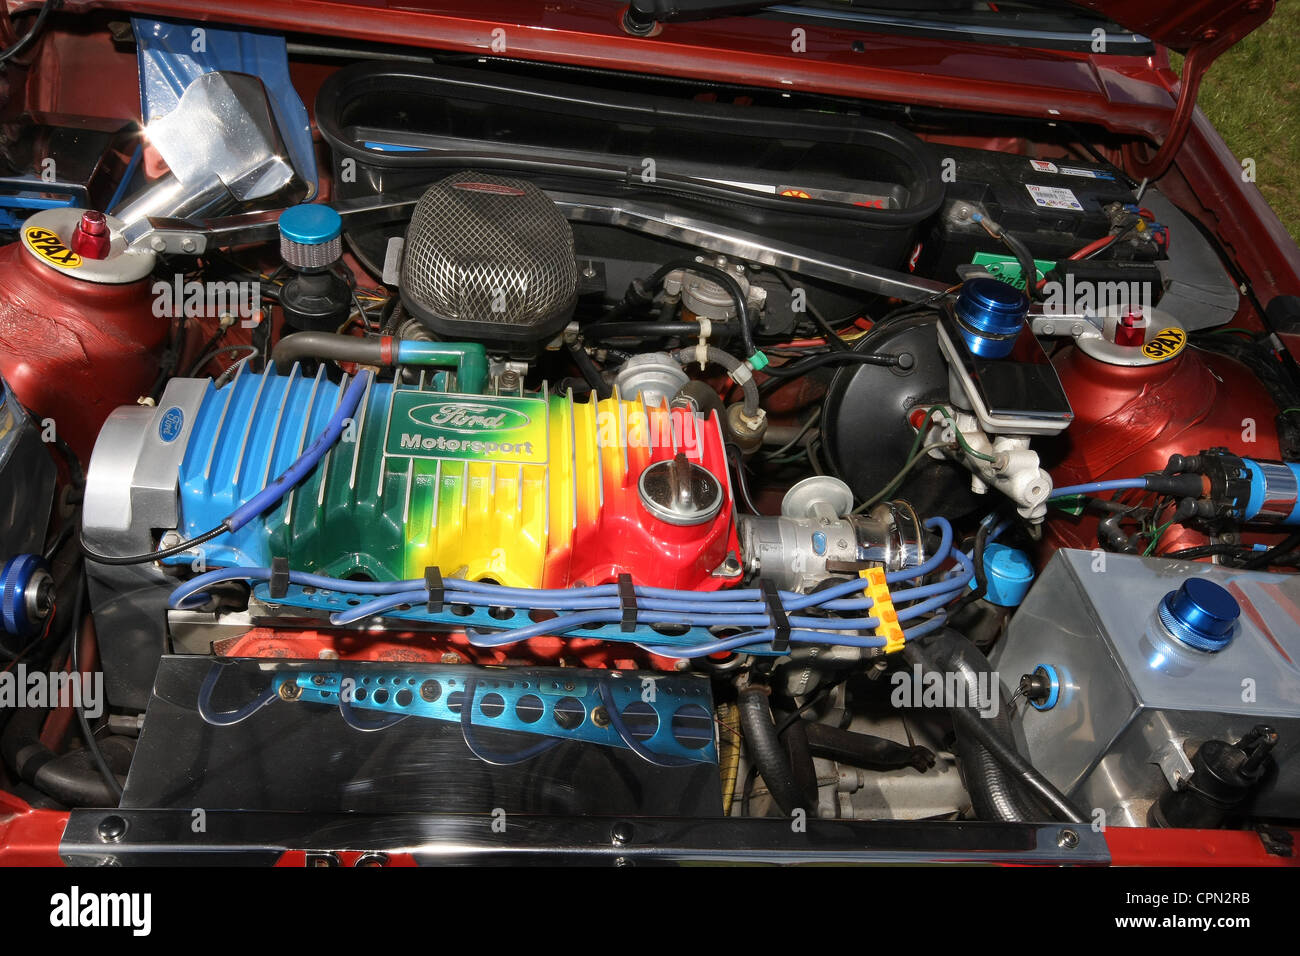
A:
(527, 490)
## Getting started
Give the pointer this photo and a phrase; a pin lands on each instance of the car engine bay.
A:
(468, 436)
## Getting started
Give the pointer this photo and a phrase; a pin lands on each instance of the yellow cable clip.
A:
(882, 608)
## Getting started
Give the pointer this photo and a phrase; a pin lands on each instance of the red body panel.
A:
(1128, 421)
(71, 350)
(29, 837)
(1131, 846)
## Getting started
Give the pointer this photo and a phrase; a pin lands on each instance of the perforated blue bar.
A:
(666, 716)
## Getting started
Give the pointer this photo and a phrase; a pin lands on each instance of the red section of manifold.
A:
(614, 530)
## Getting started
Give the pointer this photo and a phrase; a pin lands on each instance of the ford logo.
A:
(468, 418)
(171, 423)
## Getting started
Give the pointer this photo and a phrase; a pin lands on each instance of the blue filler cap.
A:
(15, 581)
(1200, 614)
(990, 313)
(310, 224)
(1007, 575)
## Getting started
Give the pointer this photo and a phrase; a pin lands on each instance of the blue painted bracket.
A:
(666, 716)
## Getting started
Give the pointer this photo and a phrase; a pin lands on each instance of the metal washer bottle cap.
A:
(680, 492)
(311, 236)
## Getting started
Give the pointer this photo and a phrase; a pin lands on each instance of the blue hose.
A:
(228, 718)
(1095, 487)
(308, 460)
(595, 605)
(936, 622)
(534, 597)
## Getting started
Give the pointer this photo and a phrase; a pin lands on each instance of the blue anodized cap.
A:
(990, 313)
(310, 236)
(1200, 614)
(310, 224)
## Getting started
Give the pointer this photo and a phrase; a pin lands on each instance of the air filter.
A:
(489, 258)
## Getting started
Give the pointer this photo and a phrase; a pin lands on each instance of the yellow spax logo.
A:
(1165, 344)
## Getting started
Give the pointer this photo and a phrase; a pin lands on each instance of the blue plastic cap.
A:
(1007, 575)
(310, 224)
(1200, 614)
(991, 313)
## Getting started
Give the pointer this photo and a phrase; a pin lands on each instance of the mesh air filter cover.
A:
(489, 258)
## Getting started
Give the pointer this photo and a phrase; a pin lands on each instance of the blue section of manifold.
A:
(245, 435)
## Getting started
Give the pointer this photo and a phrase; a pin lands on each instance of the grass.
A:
(1252, 96)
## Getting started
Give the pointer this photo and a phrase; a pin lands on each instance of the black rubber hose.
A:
(813, 362)
(75, 780)
(865, 750)
(765, 750)
(996, 774)
(1006, 754)
(97, 759)
(728, 282)
(797, 751)
(688, 356)
(21, 735)
(599, 331)
(327, 345)
(71, 778)
(589, 371)
(994, 794)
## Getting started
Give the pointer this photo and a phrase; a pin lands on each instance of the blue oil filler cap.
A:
(310, 236)
(1200, 614)
(990, 313)
(1008, 573)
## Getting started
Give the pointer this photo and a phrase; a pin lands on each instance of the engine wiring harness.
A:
(766, 620)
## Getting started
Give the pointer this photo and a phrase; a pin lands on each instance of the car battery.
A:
(1054, 207)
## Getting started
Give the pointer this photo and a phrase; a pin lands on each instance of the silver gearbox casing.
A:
(1134, 704)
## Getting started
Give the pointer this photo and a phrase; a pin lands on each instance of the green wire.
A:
(914, 455)
(961, 440)
(1155, 538)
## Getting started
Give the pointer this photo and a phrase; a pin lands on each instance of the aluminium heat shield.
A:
(489, 258)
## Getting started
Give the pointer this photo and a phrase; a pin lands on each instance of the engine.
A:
(793, 476)
(530, 491)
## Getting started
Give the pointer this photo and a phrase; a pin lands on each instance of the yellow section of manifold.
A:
(517, 524)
